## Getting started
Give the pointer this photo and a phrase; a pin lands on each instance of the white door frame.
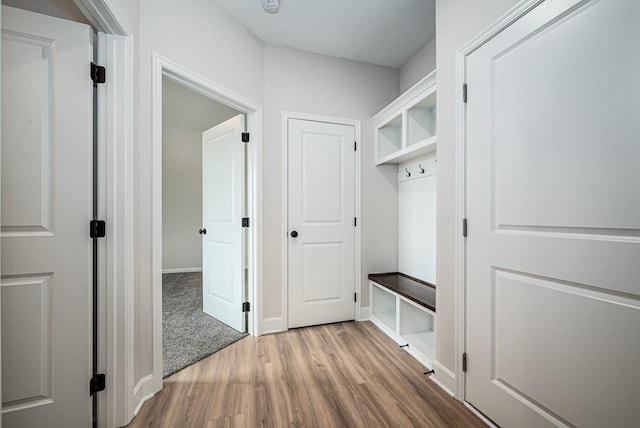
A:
(460, 283)
(115, 146)
(116, 190)
(286, 115)
(163, 67)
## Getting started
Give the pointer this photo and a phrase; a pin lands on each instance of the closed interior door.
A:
(46, 207)
(553, 247)
(222, 233)
(321, 240)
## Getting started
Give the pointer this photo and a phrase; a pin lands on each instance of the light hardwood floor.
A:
(338, 375)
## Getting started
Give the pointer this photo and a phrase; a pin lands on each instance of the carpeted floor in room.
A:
(188, 334)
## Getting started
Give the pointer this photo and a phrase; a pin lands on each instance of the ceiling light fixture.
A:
(271, 6)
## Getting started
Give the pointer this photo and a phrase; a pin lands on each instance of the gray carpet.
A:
(188, 334)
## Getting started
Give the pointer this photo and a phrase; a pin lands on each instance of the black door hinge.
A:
(98, 74)
(464, 92)
(245, 137)
(245, 221)
(98, 383)
(464, 227)
(246, 306)
(464, 362)
(97, 229)
(355, 297)
(355, 221)
(355, 146)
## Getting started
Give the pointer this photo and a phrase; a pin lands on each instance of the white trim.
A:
(271, 325)
(115, 144)
(104, 16)
(143, 391)
(0, 223)
(444, 378)
(358, 280)
(182, 270)
(163, 67)
(505, 21)
(141, 402)
(365, 313)
(115, 139)
(141, 383)
(482, 417)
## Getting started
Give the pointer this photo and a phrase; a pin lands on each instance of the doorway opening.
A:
(192, 328)
(204, 218)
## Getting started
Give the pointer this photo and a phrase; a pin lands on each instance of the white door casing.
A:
(321, 210)
(46, 207)
(553, 205)
(223, 186)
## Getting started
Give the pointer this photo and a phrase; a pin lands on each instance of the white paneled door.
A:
(553, 247)
(47, 119)
(222, 233)
(321, 240)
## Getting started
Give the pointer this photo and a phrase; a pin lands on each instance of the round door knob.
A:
(202, 231)
(294, 234)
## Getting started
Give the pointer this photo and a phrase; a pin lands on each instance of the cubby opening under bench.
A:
(404, 308)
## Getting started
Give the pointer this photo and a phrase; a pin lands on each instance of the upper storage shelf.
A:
(407, 127)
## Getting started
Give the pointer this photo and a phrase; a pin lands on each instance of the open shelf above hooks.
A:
(407, 127)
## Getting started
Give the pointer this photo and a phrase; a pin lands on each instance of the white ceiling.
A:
(383, 32)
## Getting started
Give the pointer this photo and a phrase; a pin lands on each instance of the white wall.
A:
(457, 22)
(183, 108)
(419, 65)
(64, 9)
(308, 83)
(181, 199)
(417, 218)
(129, 11)
(204, 38)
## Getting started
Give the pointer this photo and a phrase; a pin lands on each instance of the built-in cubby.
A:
(407, 128)
(421, 121)
(384, 307)
(404, 308)
(417, 327)
(403, 303)
(390, 136)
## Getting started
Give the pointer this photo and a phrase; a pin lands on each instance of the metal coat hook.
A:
(408, 173)
(421, 169)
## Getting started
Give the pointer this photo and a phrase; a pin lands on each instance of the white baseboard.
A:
(141, 393)
(365, 313)
(182, 270)
(482, 417)
(271, 325)
(444, 378)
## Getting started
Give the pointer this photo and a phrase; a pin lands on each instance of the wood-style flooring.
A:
(338, 375)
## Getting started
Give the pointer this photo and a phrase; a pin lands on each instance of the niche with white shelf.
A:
(390, 137)
(406, 128)
(384, 307)
(417, 327)
(421, 121)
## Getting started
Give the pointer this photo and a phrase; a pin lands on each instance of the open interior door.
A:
(222, 233)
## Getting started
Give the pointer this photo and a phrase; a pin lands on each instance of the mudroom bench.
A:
(404, 308)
